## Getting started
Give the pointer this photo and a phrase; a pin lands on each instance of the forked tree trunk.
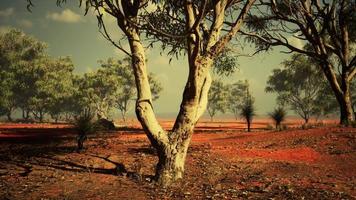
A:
(171, 147)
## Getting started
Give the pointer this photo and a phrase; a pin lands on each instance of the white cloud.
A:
(67, 16)
(25, 23)
(7, 12)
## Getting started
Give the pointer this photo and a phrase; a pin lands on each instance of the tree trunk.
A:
(341, 92)
(172, 148)
(123, 115)
(171, 162)
(25, 114)
(248, 126)
(346, 112)
(41, 116)
(9, 118)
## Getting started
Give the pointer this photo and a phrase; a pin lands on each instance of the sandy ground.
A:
(224, 162)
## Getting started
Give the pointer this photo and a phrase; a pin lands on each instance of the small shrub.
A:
(278, 115)
(248, 112)
(84, 125)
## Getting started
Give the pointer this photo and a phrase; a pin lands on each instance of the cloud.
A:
(7, 12)
(25, 23)
(66, 16)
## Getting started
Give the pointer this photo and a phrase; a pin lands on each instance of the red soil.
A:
(223, 162)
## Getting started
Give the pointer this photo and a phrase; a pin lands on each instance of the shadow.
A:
(118, 170)
(144, 150)
(34, 135)
(234, 137)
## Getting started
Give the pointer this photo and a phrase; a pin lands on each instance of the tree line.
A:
(299, 86)
(39, 85)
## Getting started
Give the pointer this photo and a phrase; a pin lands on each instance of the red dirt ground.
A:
(224, 162)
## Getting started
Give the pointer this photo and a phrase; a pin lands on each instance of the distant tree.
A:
(278, 115)
(98, 92)
(125, 90)
(237, 97)
(60, 88)
(217, 98)
(327, 30)
(18, 51)
(248, 109)
(300, 86)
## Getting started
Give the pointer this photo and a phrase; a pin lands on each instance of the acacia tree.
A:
(57, 86)
(327, 28)
(236, 97)
(17, 52)
(299, 85)
(98, 91)
(125, 91)
(203, 39)
(217, 98)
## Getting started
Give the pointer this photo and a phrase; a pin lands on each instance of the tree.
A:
(202, 23)
(236, 99)
(278, 115)
(125, 89)
(248, 109)
(98, 91)
(57, 87)
(327, 29)
(217, 98)
(17, 51)
(300, 86)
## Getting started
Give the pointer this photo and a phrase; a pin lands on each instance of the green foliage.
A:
(217, 98)
(119, 74)
(238, 94)
(226, 62)
(18, 53)
(278, 115)
(300, 86)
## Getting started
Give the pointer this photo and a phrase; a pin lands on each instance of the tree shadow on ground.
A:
(66, 165)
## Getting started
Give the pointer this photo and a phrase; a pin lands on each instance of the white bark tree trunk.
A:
(171, 147)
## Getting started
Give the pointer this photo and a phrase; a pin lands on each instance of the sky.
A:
(68, 32)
